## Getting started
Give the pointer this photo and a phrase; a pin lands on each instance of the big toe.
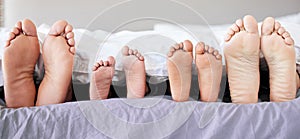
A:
(29, 28)
(268, 25)
(188, 46)
(58, 27)
(111, 61)
(250, 24)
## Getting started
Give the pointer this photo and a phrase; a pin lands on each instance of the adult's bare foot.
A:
(278, 49)
(135, 73)
(209, 65)
(179, 64)
(242, 47)
(21, 52)
(102, 75)
(58, 51)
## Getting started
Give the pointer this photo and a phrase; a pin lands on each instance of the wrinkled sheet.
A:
(153, 118)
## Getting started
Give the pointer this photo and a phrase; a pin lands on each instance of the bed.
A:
(103, 27)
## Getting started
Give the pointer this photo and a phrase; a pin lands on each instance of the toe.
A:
(210, 49)
(141, 58)
(281, 30)
(206, 48)
(58, 28)
(172, 49)
(70, 35)
(72, 50)
(29, 28)
(105, 63)
(219, 57)
(268, 26)
(97, 64)
(239, 23)
(289, 41)
(19, 25)
(111, 61)
(181, 45)
(11, 36)
(16, 31)
(216, 52)
(188, 46)
(125, 50)
(71, 42)
(277, 26)
(200, 48)
(68, 28)
(135, 52)
(286, 35)
(100, 63)
(250, 24)
(7, 43)
(235, 27)
(176, 46)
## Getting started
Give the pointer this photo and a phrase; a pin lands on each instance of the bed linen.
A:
(153, 118)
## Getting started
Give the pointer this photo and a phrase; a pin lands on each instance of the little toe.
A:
(250, 24)
(72, 50)
(219, 57)
(289, 41)
(141, 58)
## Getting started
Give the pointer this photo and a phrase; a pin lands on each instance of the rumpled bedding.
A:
(153, 118)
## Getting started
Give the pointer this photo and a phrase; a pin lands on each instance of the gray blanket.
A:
(153, 118)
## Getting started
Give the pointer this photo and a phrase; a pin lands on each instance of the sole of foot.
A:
(102, 75)
(21, 53)
(58, 52)
(209, 65)
(134, 67)
(242, 48)
(180, 59)
(278, 49)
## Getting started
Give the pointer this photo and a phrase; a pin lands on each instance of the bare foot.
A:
(58, 52)
(21, 52)
(135, 73)
(242, 47)
(278, 49)
(103, 73)
(179, 64)
(209, 65)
